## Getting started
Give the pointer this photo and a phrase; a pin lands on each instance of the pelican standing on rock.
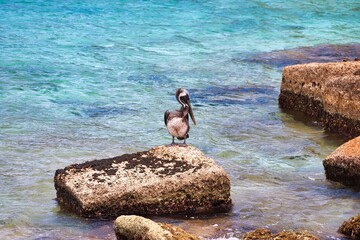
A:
(177, 121)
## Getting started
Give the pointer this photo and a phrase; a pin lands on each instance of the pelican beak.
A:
(191, 114)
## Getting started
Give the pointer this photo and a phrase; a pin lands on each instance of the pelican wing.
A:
(166, 117)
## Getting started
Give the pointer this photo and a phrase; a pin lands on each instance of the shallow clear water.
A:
(83, 80)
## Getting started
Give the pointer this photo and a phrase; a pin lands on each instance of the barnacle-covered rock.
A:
(173, 179)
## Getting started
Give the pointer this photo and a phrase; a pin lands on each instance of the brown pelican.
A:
(177, 121)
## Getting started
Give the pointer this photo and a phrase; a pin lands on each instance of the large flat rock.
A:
(343, 165)
(329, 92)
(164, 180)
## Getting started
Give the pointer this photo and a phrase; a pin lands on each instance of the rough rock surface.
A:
(343, 165)
(351, 227)
(164, 180)
(136, 227)
(266, 234)
(329, 92)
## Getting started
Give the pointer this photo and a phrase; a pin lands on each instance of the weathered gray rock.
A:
(329, 92)
(163, 180)
(343, 165)
(266, 234)
(135, 227)
(351, 227)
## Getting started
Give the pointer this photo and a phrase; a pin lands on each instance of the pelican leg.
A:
(173, 141)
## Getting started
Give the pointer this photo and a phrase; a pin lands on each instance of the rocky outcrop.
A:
(136, 227)
(343, 165)
(266, 234)
(164, 180)
(329, 92)
(351, 227)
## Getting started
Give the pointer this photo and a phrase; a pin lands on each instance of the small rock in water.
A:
(260, 233)
(266, 234)
(351, 227)
(136, 227)
(343, 165)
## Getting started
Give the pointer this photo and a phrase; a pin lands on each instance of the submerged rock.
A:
(164, 180)
(351, 227)
(329, 92)
(343, 165)
(234, 95)
(135, 227)
(300, 55)
(266, 234)
(260, 233)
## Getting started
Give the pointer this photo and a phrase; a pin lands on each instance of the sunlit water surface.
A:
(84, 80)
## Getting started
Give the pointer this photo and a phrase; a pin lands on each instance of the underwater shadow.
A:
(234, 95)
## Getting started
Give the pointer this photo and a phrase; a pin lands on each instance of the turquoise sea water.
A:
(84, 80)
